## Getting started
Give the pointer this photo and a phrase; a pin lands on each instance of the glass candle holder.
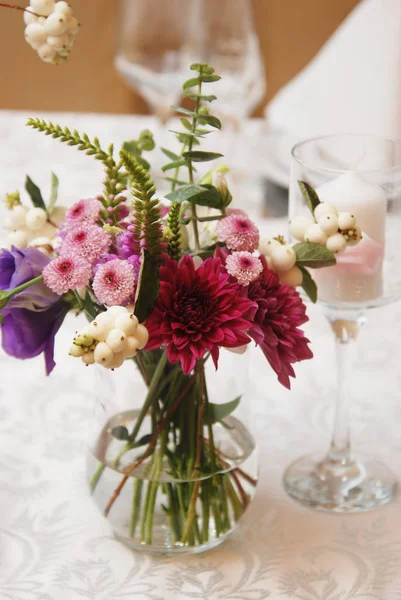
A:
(359, 174)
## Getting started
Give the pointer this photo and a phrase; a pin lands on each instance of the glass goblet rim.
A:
(309, 165)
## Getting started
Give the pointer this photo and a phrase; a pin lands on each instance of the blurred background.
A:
(290, 33)
(290, 70)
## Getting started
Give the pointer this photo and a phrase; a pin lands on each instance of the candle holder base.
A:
(356, 485)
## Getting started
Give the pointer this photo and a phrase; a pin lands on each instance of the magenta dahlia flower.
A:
(276, 324)
(238, 232)
(198, 311)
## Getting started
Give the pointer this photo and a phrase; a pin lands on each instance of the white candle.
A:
(357, 277)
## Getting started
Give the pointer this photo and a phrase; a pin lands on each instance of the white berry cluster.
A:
(52, 33)
(111, 338)
(31, 227)
(330, 228)
(281, 258)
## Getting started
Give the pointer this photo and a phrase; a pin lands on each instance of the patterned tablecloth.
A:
(54, 544)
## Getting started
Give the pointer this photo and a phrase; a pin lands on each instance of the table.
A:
(55, 546)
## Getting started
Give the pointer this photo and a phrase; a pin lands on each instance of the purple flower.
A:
(32, 317)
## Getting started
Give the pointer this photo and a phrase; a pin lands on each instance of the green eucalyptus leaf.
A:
(173, 165)
(175, 180)
(199, 133)
(308, 284)
(310, 196)
(53, 193)
(132, 148)
(217, 412)
(184, 111)
(144, 440)
(190, 83)
(194, 96)
(35, 193)
(201, 67)
(201, 156)
(146, 142)
(147, 290)
(169, 154)
(209, 78)
(210, 120)
(313, 255)
(206, 195)
(186, 124)
(207, 119)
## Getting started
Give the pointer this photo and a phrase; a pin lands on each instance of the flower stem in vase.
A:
(136, 505)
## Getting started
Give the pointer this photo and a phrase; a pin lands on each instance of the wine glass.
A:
(150, 56)
(158, 40)
(223, 35)
(360, 174)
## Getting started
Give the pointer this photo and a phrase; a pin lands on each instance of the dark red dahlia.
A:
(198, 311)
(276, 324)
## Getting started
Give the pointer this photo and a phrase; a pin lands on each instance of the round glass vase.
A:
(172, 463)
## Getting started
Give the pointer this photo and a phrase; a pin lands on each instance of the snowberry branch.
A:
(21, 8)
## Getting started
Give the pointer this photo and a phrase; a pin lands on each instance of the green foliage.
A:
(313, 255)
(34, 193)
(200, 156)
(203, 195)
(145, 142)
(194, 96)
(308, 284)
(310, 195)
(176, 164)
(191, 121)
(82, 142)
(147, 290)
(218, 412)
(174, 227)
(53, 193)
(147, 209)
(116, 180)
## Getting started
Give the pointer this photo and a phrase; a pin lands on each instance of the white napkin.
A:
(353, 85)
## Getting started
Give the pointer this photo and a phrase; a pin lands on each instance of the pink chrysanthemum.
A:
(198, 311)
(114, 282)
(276, 324)
(238, 232)
(84, 211)
(244, 267)
(67, 272)
(89, 241)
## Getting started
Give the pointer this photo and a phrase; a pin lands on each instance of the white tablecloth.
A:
(56, 546)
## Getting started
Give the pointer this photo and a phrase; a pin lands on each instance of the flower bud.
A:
(12, 199)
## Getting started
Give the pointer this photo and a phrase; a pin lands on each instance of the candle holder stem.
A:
(342, 481)
(346, 333)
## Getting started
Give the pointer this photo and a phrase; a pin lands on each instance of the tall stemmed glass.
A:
(150, 53)
(157, 39)
(362, 175)
(223, 35)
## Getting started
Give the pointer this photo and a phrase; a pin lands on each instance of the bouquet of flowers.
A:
(166, 284)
